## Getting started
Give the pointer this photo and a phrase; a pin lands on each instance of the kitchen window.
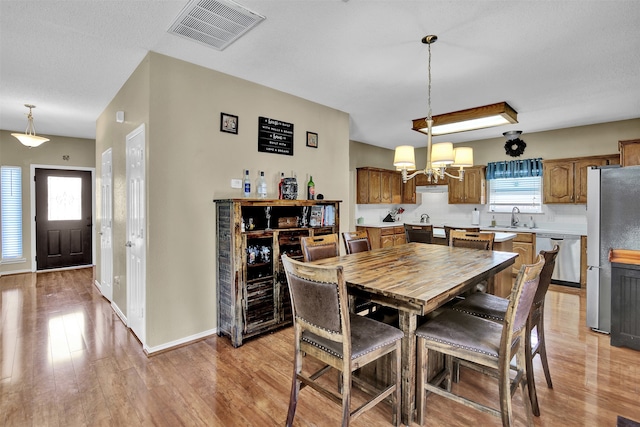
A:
(523, 193)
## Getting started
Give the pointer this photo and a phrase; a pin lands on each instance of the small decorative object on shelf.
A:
(281, 186)
(290, 189)
(262, 186)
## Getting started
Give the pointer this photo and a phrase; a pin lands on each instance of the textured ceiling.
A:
(558, 63)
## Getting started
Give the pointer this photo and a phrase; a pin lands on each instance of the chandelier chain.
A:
(429, 85)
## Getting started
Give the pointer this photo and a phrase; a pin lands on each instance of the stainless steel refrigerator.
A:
(613, 221)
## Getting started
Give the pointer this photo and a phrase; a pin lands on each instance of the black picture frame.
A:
(229, 123)
(312, 139)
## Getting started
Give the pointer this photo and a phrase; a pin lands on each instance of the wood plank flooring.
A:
(66, 359)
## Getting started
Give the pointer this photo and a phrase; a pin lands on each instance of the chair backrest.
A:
(520, 301)
(356, 241)
(420, 234)
(319, 247)
(447, 231)
(545, 275)
(318, 299)
(472, 240)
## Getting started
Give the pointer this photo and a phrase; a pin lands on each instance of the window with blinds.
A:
(11, 212)
(523, 193)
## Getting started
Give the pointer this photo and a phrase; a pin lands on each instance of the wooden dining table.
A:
(416, 278)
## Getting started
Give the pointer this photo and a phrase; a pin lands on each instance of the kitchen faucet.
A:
(514, 218)
(424, 218)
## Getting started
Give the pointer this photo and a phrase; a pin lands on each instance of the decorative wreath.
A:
(515, 147)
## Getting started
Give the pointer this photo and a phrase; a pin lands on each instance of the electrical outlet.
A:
(236, 183)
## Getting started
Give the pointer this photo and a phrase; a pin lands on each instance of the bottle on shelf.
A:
(281, 186)
(247, 184)
(311, 189)
(261, 186)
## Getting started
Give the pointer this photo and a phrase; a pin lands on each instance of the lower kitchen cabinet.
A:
(252, 234)
(385, 237)
(524, 244)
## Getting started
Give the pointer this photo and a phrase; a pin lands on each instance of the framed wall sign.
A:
(275, 136)
(228, 123)
(312, 139)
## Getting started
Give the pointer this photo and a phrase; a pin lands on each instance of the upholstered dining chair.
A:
(356, 241)
(494, 308)
(420, 234)
(482, 344)
(325, 331)
(471, 239)
(447, 231)
(319, 247)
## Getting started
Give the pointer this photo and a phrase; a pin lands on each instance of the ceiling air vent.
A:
(214, 23)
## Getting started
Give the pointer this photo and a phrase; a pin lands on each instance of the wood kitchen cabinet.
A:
(385, 237)
(382, 186)
(629, 152)
(252, 292)
(471, 190)
(565, 180)
(524, 244)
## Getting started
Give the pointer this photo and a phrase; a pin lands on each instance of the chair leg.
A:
(542, 349)
(421, 365)
(295, 388)
(526, 399)
(531, 383)
(346, 397)
(397, 396)
(504, 385)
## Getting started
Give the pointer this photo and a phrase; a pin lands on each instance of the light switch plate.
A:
(236, 183)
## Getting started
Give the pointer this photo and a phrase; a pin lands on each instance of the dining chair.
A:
(447, 231)
(344, 341)
(494, 308)
(483, 345)
(356, 241)
(471, 239)
(319, 247)
(420, 234)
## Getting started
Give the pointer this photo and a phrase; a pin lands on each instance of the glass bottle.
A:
(281, 186)
(311, 189)
(247, 184)
(261, 185)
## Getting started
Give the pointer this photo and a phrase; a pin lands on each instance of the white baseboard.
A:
(98, 285)
(179, 342)
(120, 314)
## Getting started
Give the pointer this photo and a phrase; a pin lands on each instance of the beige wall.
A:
(81, 154)
(556, 144)
(190, 162)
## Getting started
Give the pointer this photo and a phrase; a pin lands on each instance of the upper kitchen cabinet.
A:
(629, 152)
(565, 180)
(382, 186)
(471, 190)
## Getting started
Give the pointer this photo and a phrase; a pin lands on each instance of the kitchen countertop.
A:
(568, 229)
(501, 235)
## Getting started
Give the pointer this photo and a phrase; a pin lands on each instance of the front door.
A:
(136, 232)
(64, 218)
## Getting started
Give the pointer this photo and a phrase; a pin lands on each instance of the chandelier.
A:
(441, 157)
(29, 137)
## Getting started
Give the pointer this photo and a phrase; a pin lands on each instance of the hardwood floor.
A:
(66, 359)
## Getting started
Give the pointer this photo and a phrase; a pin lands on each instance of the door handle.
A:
(128, 244)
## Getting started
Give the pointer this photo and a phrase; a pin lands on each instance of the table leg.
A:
(408, 324)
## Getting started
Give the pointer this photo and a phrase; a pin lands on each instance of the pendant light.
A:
(29, 137)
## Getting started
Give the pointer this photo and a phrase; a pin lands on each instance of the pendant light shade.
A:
(29, 137)
(404, 157)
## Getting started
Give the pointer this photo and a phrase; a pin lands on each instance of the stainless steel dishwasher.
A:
(567, 269)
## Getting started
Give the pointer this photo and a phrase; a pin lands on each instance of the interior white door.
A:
(136, 232)
(106, 233)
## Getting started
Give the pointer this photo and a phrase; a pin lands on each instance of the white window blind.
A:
(523, 193)
(11, 201)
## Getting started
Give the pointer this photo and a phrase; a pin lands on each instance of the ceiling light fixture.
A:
(29, 137)
(439, 156)
(471, 119)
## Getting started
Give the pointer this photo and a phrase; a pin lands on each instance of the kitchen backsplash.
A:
(441, 212)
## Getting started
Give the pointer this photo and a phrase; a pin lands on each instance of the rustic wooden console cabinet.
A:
(252, 292)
